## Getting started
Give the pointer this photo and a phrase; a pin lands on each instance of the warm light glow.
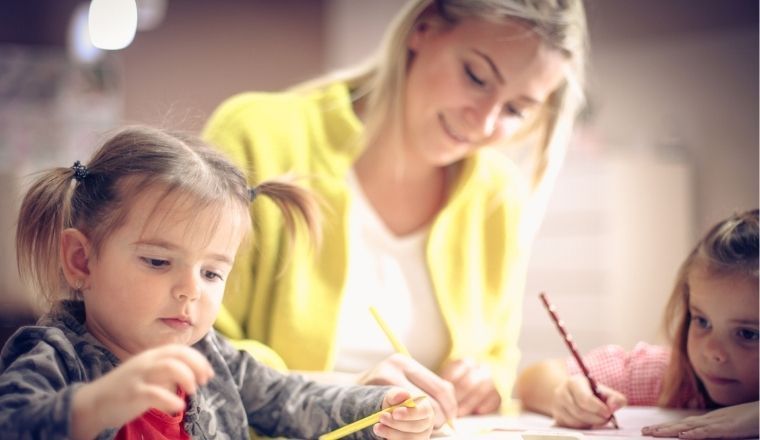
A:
(112, 23)
(79, 45)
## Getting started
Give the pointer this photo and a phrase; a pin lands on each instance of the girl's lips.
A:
(718, 380)
(177, 323)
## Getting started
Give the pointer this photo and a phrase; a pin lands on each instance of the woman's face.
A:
(473, 84)
(722, 342)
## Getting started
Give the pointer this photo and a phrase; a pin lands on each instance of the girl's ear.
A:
(75, 258)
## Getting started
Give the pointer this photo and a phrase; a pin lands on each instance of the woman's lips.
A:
(450, 131)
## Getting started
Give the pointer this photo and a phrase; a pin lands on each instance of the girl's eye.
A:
(155, 262)
(747, 334)
(473, 78)
(701, 322)
(209, 275)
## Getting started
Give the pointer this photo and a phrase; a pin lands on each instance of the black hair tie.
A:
(80, 171)
(252, 192)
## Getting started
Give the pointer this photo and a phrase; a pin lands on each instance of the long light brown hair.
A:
(129, 162)
(729, 248)
(560, 23)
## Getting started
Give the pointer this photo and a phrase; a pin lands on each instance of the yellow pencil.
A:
(367, 421)
(397, 345)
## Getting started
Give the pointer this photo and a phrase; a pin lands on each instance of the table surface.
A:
(531, 426)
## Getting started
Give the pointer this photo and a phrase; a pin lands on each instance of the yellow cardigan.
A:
(288, 300)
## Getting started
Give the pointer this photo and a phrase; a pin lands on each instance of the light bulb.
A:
(112, 23)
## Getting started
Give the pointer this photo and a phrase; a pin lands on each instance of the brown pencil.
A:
(574, 351)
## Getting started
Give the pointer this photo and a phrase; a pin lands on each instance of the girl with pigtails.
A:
(132, 250)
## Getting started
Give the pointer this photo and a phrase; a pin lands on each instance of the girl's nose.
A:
(187, 287)
(715, 351)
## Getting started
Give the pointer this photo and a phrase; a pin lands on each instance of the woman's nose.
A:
(482, 118)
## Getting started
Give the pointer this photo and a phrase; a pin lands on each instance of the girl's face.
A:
(473, 84)
(160, 277)
(722, 341)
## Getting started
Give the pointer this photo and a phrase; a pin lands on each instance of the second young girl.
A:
(133, 251)
(712, 321)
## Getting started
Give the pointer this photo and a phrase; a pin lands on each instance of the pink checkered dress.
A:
(636, 374)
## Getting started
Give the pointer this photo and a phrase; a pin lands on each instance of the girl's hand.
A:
(738, 421)
(473, 386)
(403, 422)
(575, 406)
(148, 380)
(409, 374)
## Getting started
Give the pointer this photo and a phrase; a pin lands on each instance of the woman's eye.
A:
(155, 262)
(473, 78)
(511, 110)
(210, 275)
(747, 334)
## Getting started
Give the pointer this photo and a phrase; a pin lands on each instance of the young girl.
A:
(712, 319)
(133, 251)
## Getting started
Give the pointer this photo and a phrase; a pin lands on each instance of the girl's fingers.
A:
(395, 396)
(171, 373)
(191, 357)
(162, 399)
(586, 402)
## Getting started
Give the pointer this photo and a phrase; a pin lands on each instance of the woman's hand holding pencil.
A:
(402, 370)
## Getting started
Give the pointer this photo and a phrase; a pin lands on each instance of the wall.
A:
(677, 72)
(201, 54)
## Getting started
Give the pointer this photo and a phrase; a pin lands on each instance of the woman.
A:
(421, 220)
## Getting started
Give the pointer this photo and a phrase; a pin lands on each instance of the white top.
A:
(389, 273)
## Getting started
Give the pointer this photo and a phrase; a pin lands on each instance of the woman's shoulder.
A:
(261, 108)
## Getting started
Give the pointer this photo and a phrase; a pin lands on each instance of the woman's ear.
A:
(75, 258)
(422, 29)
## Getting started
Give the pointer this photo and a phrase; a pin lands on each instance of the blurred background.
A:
(667, 146)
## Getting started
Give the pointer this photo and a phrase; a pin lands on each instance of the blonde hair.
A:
(560, 23)
(729, 248)
(95, 199)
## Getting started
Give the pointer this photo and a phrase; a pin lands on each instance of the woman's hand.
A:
(405, 372)
(738, 421)
(403, 422)
(473, 386)
(148, 380)
(575, 406)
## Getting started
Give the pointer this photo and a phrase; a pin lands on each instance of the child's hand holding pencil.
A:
(402, 416)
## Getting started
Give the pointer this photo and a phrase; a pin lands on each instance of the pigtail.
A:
(45, 212)
(293, 201)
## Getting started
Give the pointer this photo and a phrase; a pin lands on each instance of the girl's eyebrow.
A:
(754, 322)
(173, 247)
